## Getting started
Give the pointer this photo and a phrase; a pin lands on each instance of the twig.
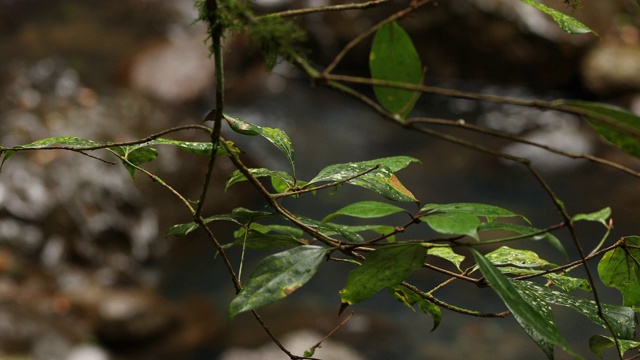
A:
(319, 344)
(327, 8)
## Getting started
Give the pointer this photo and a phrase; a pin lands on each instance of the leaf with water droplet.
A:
(565, 22)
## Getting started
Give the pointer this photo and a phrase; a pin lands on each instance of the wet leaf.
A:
(198, 148)
(261, 237)
(376, 175)
(394, 58)
(454, 223)
(70, 141)
(276, 136)
(237, 176)
(599, 343)
(387, 266)
(516, 257)
(620, 268)
(488, 211)
(565, 22)
(277, 276)
(532, 313)
(621, 318)
(366, 210)
(614, 132)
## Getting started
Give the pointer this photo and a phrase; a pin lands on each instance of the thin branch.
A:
(472, 127)
(363, 35)
(319, 343)
(327, 8)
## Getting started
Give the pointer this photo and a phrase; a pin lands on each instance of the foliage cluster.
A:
(382, 258)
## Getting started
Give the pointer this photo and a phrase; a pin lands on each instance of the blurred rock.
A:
(176, 71)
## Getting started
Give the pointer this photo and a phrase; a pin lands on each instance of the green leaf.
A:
(277, 276)
(621, 130)
(446, 252)
(261, 237)
(516, 257)
(70, 141)
(409, 298)
(180, 230)
(135, 155)
(599, 343)
(530, 311)
(376, 175)
(276, 136)
(621, 318)
(454, 223)
(387, 266)
(598, 216)
(488, 211)
(620, 268)
(237, 176)
(565, 22)
(394, 58)
(366, 210)
(198, 148)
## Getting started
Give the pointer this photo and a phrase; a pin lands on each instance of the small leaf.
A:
(261, 239)
(446, 252)
(622, 129)
(366, 210)
(599, 343)
(454, 223)
(565, 22)
(530, 311)
(488, 211)
(394, 58)
(198, 148)
(180, 230)
(237, 176)
(276, 136)
(620, 268)
(387, 266)
(598, 216)
(409, 298)
(277, 276)
(135, 155)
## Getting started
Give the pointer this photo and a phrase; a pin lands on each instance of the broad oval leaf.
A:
(453, 223)
(70, 141)
(620, 268)
(394, 58)
(376, 175)
(447, 253)
(277, 276)
(387, 266)
(135, 155)
(198, 148)
(531, 312)
(565, 22)
(516, 257)
(366, 210)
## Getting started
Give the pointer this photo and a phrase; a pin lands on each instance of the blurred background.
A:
(85, 269)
